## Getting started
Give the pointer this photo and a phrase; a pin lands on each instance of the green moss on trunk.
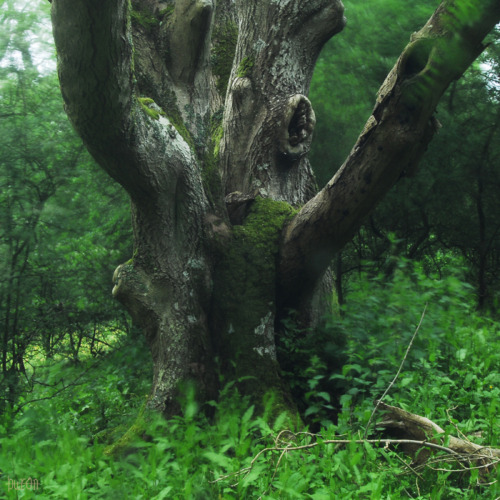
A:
(250, 264)
(244, 291)
(126, 441)
(245, 67)
(223, 48)
(174, 115)
(146, 103)
(143, 18)
(210, 174)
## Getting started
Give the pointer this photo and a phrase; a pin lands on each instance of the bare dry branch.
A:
(398, 372)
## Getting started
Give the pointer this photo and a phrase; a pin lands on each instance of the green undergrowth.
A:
(451, 375)
(454, 359)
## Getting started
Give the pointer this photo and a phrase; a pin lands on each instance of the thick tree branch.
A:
(130, 137)
(421, 428)
(94, 52)
(278, 45)
(142, 141)
(391, 144)
(188, 36)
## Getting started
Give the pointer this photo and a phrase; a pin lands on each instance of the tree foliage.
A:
(56, 234)
(351, 69)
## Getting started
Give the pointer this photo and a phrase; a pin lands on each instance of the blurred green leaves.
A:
(351, 69)
(64, 225)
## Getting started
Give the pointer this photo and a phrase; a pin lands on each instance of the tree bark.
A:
(199, 110)
(268, 120)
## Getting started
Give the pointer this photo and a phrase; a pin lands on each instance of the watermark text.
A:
(23, 484)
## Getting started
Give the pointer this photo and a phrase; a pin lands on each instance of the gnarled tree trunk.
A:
(199, 109)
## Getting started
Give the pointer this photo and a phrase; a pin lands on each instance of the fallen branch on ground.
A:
(422, 429)
(420, 434)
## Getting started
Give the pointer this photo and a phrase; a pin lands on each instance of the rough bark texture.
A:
(268, 120)
(199, 110)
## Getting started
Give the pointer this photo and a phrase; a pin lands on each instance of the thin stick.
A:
(285, 449)
(397, 374)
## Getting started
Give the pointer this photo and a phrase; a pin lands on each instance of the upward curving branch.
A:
(391, 144)
(129, 101)
(131, 137)
(94, 60)
(278, 45)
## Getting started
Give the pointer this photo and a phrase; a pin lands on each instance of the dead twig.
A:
(387, 442)
(397, 374)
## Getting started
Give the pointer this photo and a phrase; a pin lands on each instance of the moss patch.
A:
(210, 173)
(249, 268)
(126, 441)
(244, 291)
(167, 12)
(145, 103)
(245, 67)
(223, 48)
(174, 115)
(217, 135)
(144, 19)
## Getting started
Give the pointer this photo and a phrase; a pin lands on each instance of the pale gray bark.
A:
(262, 150)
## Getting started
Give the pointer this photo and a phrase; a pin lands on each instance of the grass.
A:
(451, 376)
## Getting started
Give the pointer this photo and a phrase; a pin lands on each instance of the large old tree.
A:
(199, 109)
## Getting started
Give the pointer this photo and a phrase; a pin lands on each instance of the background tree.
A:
(228, 236)
(53, 270)
(473, 231)
(358, 74)
(362, 56)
